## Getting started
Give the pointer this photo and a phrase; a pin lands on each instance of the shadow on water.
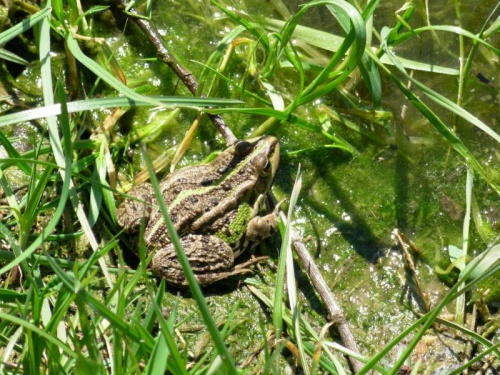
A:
(355, 231)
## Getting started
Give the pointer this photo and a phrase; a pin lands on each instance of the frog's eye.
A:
(267, 166)
(242, 147)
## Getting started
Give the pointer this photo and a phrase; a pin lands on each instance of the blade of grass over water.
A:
(428, 319)
(285, 265)
(206, 83)
(355, 41)
(98, 104)
(12, 57)
(104, 74)
(460, 303)
(438, 98)
(341, 64)
(452, 139)
(25, 25)
(332, 43)
(401, 38)
(188, 273)
(454, 292)
(327, 361)
(255, 29)
(286, 249)
(479, 357)
(473, 335)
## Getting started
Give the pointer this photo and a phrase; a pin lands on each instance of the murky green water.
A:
(404, 176)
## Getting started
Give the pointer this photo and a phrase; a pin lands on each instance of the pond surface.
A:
(402, 175)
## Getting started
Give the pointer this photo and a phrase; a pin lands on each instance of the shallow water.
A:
(403, 176)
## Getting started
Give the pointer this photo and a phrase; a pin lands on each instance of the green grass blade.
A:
(98, 104)
(494, 27)
(9, 296)
(473, 335)
(94, 9)
(277, 311)
(477, 358)
(400, 38)
(369, 365)
(188, 272)
(452, 139)
(38, 185)
(371, 77)
(23, 26)
(102, 73)
(370, 9)
(460, 302)
(12, 152)
(157, 363)
(438, 98)
(177, 364)
(12, 57)
(9, 348)
(332, 43)
(290, 272)
(478, 266)
(27, 326)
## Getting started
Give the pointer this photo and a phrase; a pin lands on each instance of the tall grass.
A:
(91, 313)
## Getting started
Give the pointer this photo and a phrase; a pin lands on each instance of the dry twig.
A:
(403, 242)
(335, 313)
(168, 59)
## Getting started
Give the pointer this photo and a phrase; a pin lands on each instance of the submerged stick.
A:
(168, 59)
(403, 240)
(335, 313)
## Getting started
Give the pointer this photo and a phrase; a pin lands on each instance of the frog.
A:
(214, 207)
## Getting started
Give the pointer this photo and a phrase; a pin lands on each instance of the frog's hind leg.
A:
(211, 259)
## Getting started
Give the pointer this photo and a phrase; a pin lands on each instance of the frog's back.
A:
(197, 195)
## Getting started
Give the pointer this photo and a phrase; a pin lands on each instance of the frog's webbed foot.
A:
(261, 227)
(131, 211)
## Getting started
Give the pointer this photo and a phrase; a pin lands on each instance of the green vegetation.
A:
(388, 111)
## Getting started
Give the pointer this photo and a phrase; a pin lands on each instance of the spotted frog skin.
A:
(214, 208)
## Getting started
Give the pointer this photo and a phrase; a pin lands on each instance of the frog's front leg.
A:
(210, 258)
(130, 212)
(261, 227)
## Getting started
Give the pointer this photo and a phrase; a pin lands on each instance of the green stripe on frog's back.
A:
(203, 190)
(239, 185)
(224, 194)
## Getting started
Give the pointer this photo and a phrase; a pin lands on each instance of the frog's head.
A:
(261, 158)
